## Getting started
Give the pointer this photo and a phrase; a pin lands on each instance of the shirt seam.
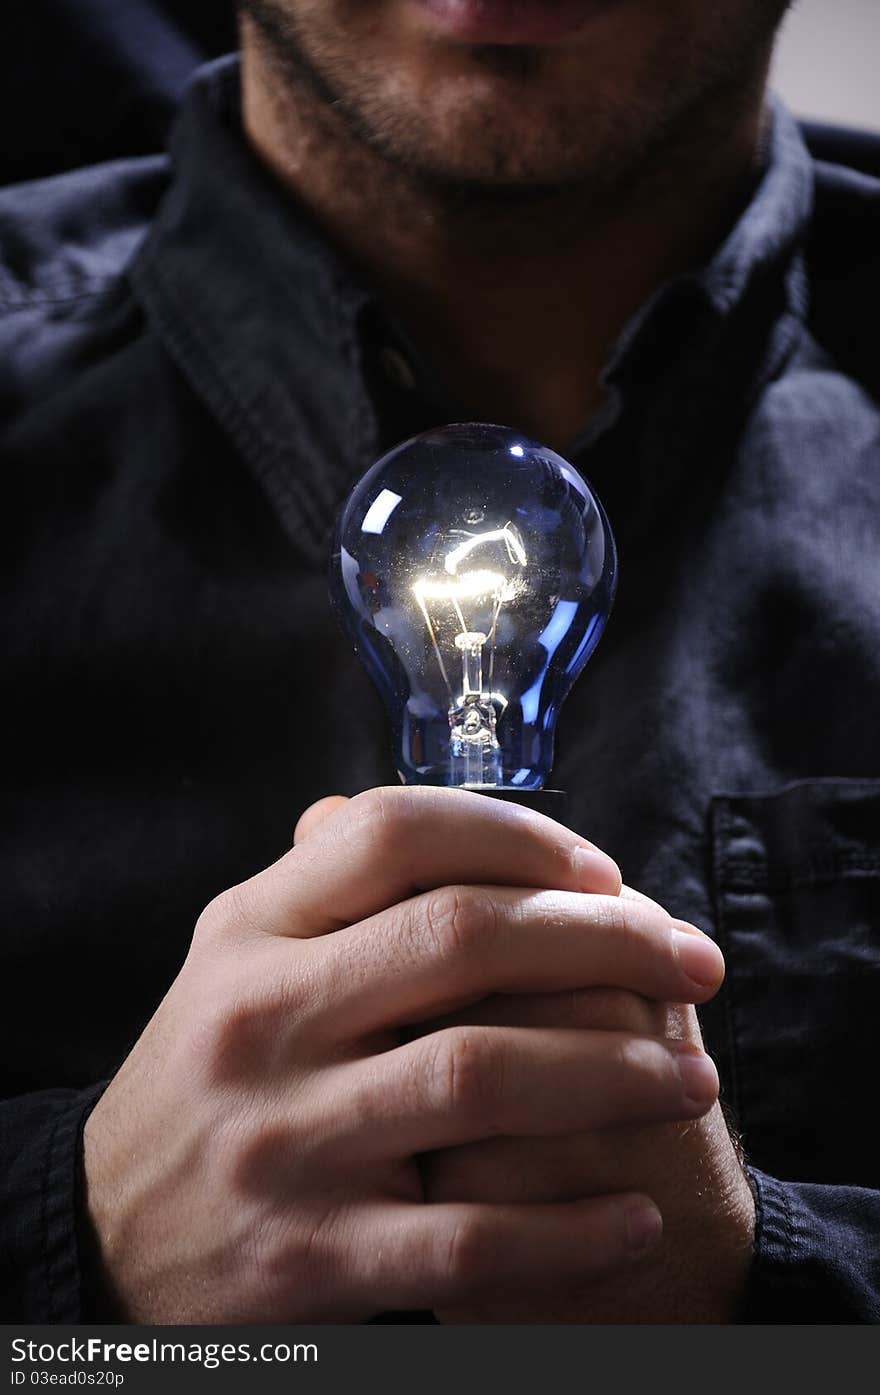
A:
(37, 301)
(195, 357)
(744, 876)
(60, 1204)
(728, 996)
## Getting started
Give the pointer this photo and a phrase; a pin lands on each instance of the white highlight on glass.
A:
(380, 511)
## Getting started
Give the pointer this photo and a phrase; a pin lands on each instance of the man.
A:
(436, 1057)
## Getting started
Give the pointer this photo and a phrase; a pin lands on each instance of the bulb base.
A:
(553, 803)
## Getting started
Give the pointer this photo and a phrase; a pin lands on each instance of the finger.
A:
(561, 1168)
(428, 1256)
(661, 1159)
(630, 894)
(312, 818)
(466, 1084)
(597, 1009)
(444, 950)
(388, 844)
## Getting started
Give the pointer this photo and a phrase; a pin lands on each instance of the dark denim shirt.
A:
(190, 381)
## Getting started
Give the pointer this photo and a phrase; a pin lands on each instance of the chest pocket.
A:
(797, 884)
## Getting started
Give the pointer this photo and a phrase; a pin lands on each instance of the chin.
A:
(473, 132)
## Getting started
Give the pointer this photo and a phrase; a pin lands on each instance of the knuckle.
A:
(319, 1243)
(640, 932)
(261, 1155)
(459, 920)
(384, 817)
(230, 912)
(366, 1108)
(241, 1034)
(222, 1038)
(469, 1253)
(646, 1068)
(464, 1069)
(294, 996)
(214, 919)
(306, 1247)
(613, 915)
(632, 1055)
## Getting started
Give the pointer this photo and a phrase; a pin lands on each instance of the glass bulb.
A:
(475, 571)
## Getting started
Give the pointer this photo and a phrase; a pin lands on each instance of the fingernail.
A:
(688, 929)
(644, 1226)
(597, 872)
(699, 1078)
(699, 957)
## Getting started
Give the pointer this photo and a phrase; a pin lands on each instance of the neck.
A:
(514, 305)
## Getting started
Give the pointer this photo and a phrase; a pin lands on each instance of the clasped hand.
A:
(425, 1060)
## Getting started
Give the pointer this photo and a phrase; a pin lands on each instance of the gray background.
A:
(828, 61)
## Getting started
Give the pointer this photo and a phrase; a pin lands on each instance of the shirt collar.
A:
(311, 378)
(691, 364)
(753, 291)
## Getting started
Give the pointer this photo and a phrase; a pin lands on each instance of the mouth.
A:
(511, 21)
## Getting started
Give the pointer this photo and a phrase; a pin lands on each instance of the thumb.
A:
(316, 814)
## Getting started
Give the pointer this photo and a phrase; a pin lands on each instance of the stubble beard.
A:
(601, 153)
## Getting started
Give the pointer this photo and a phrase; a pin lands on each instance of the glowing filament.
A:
(515, 550)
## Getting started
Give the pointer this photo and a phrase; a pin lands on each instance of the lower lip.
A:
(511, 21)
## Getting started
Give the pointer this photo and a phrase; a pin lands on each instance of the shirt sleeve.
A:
(40, 1201)
(817, 1254)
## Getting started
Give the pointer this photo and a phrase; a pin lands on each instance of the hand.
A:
(254, 1159)
(692, 1171)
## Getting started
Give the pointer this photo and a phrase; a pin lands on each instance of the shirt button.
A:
(397, 368)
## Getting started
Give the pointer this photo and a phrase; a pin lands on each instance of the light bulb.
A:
(475, 571)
